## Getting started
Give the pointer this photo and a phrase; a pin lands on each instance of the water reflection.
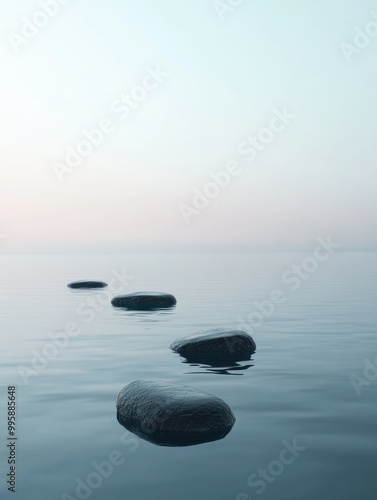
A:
(220, 368)
(150, 315)
(219, 364)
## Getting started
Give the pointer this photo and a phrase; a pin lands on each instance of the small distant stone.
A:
(173, 415)
(215, 344)
(145, 301)
(87, 284)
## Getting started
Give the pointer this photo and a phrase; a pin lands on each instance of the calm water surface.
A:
(297, 385)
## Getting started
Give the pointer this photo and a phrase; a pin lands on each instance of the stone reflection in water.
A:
(219, 368)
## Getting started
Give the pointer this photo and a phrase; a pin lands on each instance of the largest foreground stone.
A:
(173, 415)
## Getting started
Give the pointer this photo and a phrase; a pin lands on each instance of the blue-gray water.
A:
(297, 385)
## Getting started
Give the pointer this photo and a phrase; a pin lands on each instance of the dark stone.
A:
(87, 284)
(145, 301)
(215, 345)
(173, 415)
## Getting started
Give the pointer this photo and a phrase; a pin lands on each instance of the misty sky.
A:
(223, 81)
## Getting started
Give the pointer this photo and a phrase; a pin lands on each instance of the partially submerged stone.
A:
(145, 301)
(215, 345)
(87, 284)
(173, 415)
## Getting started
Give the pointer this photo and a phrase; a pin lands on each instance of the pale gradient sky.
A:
(224, 79)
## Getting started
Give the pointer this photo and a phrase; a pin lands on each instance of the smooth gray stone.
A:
(172, 415)
(87, 284)
(219, 343)
(145, 301)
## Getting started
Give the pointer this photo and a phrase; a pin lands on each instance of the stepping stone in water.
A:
(87, 284)
(173, 415)
(215, 345)
(145, 301)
